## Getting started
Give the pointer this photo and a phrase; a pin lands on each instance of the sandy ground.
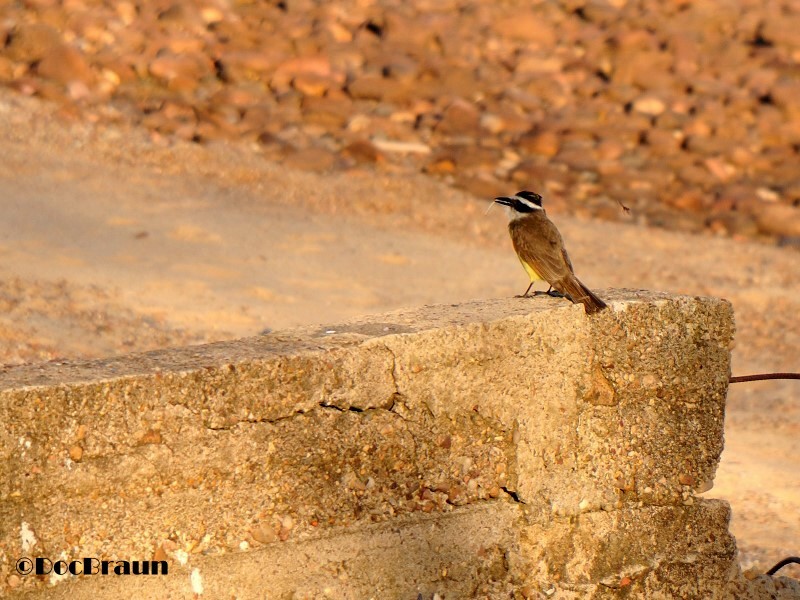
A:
(110, 244)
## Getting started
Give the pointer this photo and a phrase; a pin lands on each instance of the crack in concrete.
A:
(390, 406)
(513, 495)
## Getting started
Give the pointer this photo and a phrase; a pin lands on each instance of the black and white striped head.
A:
(521, 204)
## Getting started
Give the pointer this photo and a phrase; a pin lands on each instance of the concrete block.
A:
(503, 447)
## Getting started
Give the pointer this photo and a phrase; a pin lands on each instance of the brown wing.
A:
(537, 241)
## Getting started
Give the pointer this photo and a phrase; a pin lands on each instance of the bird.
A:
(541, 250)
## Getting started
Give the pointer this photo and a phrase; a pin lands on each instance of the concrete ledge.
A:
(482, 449)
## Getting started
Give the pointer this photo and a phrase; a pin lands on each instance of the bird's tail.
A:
(577, 292)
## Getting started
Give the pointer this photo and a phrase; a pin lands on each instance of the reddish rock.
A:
(65, 64)
(186, 68)
(526, 26)
(319, 66)
(610, 150)
(506, 118)
(312, 85)
(694, 175)
(240, 96)
(363, 151)
(577, 159)
(481, 186)
(459, 118)
(733, 224)
(179, 112)
(121, 67)
(6, 69)
(649, 105)
(543, 143)
(311, 159)
(645, 69)
(30, 42)
(609, 168)
(663, 142)
(785, 94)
(373, 87)
(782, 29)
(238, 66)
(720, 169)
(471, 156)
(460, 81)
(442, 163)
(760, 81)
(331, 114)
(273, 146)
(778, 219)
(538, 63)
(691, 200)
(535, 174)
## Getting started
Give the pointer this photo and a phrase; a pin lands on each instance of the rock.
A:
(30, 42)
(782, 29)
(363, 151)
(373, 87)
(237, 66)
(312, 85)
(760, 81)
(76, 453)
(319, 66)
(664, 142)
(578, 159)
(733, 224)
(610, 149)
(6, 69)
(273, 147)
(506, 119)
(264, 534)
(649, 105)
(459, 118)
(481, 186)
(720, 169)
(150, 437)
(526, 26)
(65, 64)
(331, 114)
(646, 69)
(187, 70)
(778, 219)
(543, 143)
(310, 159)
(534, 174)
(784, 93)
(694, 175)
(160, 553)
(690, 200)
(470, 156)
(536, 64)
(241, 96)
(401, 147)
(442, 163)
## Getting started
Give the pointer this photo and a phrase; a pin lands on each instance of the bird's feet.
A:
(551, 292)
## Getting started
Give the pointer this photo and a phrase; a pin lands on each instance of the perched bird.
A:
(541, 251)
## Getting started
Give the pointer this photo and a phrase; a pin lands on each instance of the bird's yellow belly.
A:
(531, 273)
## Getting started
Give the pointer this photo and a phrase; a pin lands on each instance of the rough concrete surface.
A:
(512, 446)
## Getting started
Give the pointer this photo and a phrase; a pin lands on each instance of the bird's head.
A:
(521, 204)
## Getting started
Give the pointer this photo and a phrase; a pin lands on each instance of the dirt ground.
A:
(111, 244)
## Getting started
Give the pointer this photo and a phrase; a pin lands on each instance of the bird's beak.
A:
(503, 200)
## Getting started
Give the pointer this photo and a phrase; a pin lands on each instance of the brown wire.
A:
(763, 377)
